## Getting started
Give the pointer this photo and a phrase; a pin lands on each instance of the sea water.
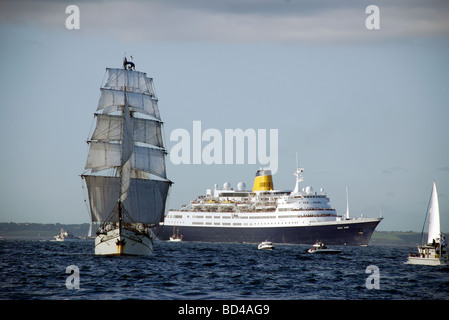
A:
(196, 271)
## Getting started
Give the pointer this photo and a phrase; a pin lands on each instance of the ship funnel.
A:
(263, 181)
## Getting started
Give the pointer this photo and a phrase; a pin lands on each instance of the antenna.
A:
(296, 160)
(347, 203)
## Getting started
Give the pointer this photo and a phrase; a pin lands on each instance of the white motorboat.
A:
(320, 247)
(65, 236)
(266, 245)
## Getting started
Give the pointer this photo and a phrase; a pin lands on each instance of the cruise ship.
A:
(301, 216)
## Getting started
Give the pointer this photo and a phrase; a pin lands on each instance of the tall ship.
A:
(125, 171)
(301, 216)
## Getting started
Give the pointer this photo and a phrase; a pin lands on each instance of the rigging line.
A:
(163, 137)
(153, 88)
(104, 76)
(92, 124)
(127, 215)
(425, 218)
(111, 215)
(91, 130)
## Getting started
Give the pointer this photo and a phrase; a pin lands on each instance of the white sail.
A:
(127, 134)
(111, 100)
(103, 193)
(150, 160)
(148, 131)
(434, 217)
(125, 174)
(145, 200)
(109, 128)
(133, 80)
(104, 155)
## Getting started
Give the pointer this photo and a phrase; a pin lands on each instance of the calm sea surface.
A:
(37, 270)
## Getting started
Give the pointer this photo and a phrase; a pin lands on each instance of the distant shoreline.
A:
(40, 231)
(47, 231)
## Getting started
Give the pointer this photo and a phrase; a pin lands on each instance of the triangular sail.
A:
(434, 217)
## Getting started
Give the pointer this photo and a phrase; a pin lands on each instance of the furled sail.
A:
(434, 216)
(132, 145)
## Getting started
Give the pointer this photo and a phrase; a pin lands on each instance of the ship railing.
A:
(305, 209)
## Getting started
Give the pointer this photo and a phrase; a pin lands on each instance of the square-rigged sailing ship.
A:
(125, 171)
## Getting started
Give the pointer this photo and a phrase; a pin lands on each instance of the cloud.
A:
(282, 21)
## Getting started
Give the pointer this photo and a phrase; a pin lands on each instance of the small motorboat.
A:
(266, 245)
(320, 247)
(65, 236)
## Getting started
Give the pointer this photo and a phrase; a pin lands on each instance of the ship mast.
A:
(298, 174)
(347, 204)
(127, 144)
(120, 217)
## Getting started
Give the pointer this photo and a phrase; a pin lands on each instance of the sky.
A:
(366, 109)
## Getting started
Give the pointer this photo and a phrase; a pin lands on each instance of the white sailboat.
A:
(175, 236)
(125, 169)
(434, 252)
